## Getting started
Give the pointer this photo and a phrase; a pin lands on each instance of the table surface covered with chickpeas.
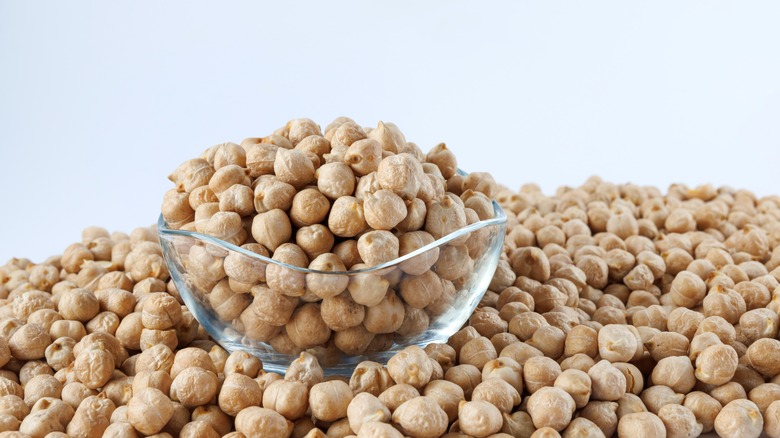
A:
(614, 310)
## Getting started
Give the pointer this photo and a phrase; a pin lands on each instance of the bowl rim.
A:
(499, 218)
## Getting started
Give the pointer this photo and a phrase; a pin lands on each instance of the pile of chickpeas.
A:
(348, 198)
(614, 310)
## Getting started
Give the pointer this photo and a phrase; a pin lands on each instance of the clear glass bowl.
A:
(464, 260)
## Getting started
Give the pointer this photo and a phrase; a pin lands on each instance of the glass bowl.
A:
(445, 280)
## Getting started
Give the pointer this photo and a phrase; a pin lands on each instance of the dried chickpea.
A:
(739, 418)
(498, 393)
(676, 372)
(642, 424)
(346, 217)
(256, 422)
(577, 384)
(289, 398)
(716, 364)
(764, 356)
(607, 382)
(551, 407)
(194, 387)
(421, 417)
(149, 410)
(366, 408)
(328, 401)
(540, 372)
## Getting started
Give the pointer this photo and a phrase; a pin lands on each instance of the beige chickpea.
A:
(421, 417)
(327, 285)
(284, 280)
(192, 174)
(641, 424)
(764, 356)
(716, 364)
(289, 398)
(410, 366)
(739, 418)
(363, 156)
(607, 382)
(92, 417)
(293, 167)
(395, 395)
(161, 311)
(684, 321)
(194, 386)
(540, 372)
(603, 414)
(506, 369)
(306, 328)
(29, 342)
(551, 407)
(444, 217)
(577, 384)
(549, 340)
(149, 410)
(309, 207)
(328, 401)
(314, 240)
(259, 422)
(688, 289)
(211, 414)
(40, 423)
(42, 386)
(477, 352)
(667, 344)
(704, 407)
(370, 377)
(378, 247)
(616, 343)
(241, 362)
(676, 372)
(366, 408)
(346, 217)
(191, 357)
(498, 393)
(271, 229)
(386, 316)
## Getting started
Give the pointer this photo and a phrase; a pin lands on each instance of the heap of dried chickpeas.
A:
(614, 310)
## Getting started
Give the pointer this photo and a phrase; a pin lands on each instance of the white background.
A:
(99, 101)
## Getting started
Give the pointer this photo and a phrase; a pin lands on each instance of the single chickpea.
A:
(675, 372)
(386, 316)
(346, 217)
(607, 382)
(284, 280)
(616, 343)
(149, 410)
(642, 424)
(577, 384)
(739, 418)
(92, 417)
(271, 229)
(370, 377)
(378, 247)
(498, 393)
(395, 395)
(540, 372)
(314, 240)
(306, 328)
(716, 364)
(421, 417)
(29, 342)
(256, 422)
(289, 398)
(477, 352)
(328, 401)
(366, 408)
(764, 356)
(551, 407)
(194, 386)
